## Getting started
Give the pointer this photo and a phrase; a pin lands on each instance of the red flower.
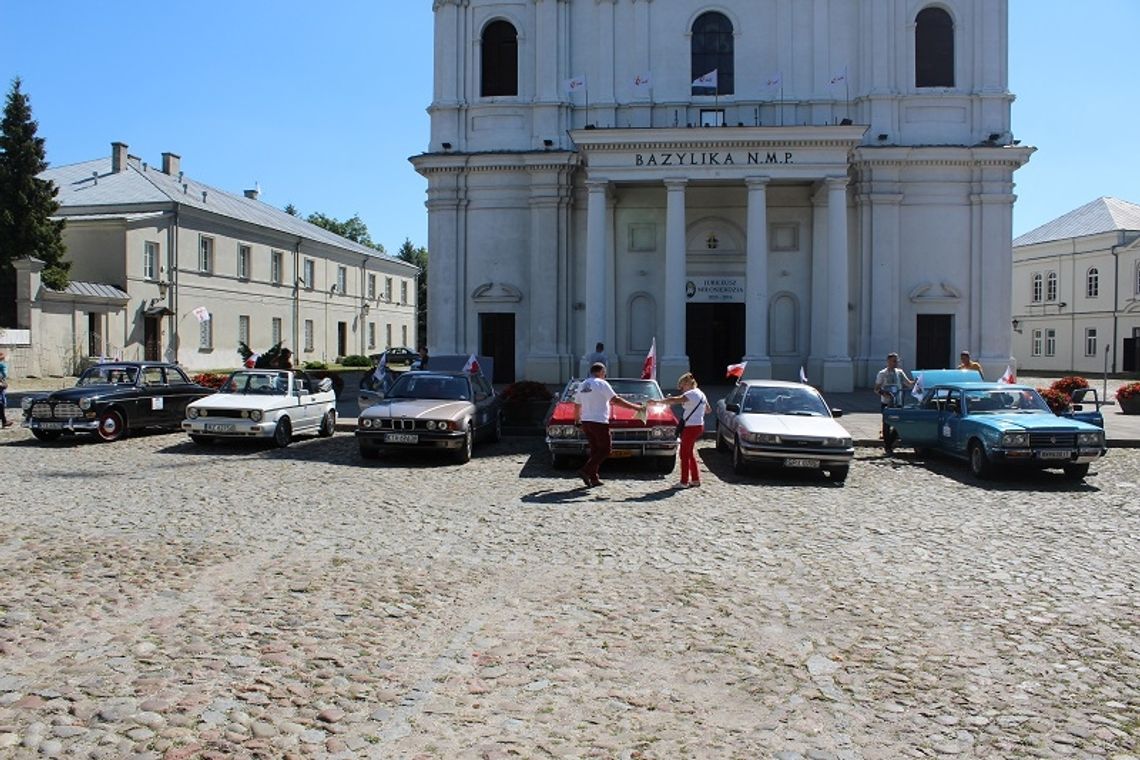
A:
(1057, 400)
(1130, 390)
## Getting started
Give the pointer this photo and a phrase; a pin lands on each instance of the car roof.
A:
(984, 386)
(764, 383)
(436, 372)
(943, 376)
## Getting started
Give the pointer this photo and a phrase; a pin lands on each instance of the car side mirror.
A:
(325, 384)
(836, 412)
(734, 408)
(1078, 407)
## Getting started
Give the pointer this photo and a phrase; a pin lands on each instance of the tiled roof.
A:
(92, 184)
(1102, 215)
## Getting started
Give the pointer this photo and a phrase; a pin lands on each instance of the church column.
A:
(673, 359)
(542, 302)
(838, 374)
(993, 300)
(446, 306)
(595, 294)
(756, 281)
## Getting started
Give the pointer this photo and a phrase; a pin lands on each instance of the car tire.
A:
(367, 452)
(838, 474)
(328, 424)
(739, 466)
(112, 426)
(979, 463)
(665, 465)
(46, 435)
(283, 433)
(463, 453)
(201, 440)
(721, 444)
(1076, 471)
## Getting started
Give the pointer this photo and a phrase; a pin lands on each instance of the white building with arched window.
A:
(798, 184)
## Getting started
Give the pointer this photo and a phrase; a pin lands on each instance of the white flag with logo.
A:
(840, 76)
(774, 81)
(917, 390)
(803, 375)
(643, 81)
(1009, 377)
(202, 314)
(573, 84)
(706, 80)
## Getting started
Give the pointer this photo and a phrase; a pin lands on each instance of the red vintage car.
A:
(655, 436)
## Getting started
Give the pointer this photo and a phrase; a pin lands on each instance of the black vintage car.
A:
(111, 399)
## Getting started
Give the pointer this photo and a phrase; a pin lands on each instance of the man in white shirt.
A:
(593, 400)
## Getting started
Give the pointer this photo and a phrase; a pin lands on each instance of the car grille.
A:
(1052, 440)
(63, 410)
(805, 442)
(235, 413)
(399, 424)
(622, 436)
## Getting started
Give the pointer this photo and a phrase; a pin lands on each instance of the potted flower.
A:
(1069, 384)
(1128, 396)
(1057, 400)
(525, 403)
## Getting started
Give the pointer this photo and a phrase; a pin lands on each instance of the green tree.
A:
(419, 257)
(291, 210)
(27, 202)
(354, 229)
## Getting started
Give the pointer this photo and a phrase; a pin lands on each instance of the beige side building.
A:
(165, 267)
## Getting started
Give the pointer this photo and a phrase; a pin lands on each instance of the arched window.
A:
(1051, 287)
(933, 49)
(1038, 283)
(500, 48)
(1092, 283)
(712, 49)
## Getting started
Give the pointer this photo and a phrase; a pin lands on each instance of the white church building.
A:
(795, 183)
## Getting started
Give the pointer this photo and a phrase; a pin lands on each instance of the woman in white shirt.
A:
(695, 405)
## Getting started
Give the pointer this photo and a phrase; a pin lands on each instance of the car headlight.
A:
(255, 415)
(760, 437)
(561, 431)
(663, 433)
(1010, 440)
(192, 412)
(1090, 439)
(85, 403)
(837, 443)
(364, 422)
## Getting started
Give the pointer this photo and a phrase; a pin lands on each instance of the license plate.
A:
(619, 453)
(220, 427)
(51, 426)
(807, 464)
(401, 438)
(1055, 455)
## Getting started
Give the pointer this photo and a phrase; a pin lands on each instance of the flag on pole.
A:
(706, 80)
(736, 370)
(917, 390)
(202, 314)
(573, 84)
(649, 369)
(840, 76)
(774, 81)
(472, 366)
(803, 375)
(643, 81)
(381, 368)
(251, 362)
(1009, 377)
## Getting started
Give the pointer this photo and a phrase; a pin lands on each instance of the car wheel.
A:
(738, 464)
(721, 444)
(202, 440)
(463, 453)
(328, 424)
(665, 464)
(367, 452)
(979, 462)
(112, 426)
(46, 435)
(838, 474)
(283, 433)
(1076, 471)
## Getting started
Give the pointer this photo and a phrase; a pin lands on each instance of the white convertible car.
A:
(264, 403)
(783, 425)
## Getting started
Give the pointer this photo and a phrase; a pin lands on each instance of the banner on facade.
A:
(714, 290)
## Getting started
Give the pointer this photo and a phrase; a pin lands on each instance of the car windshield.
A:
(1005, 401)
(109, 374)
(797, 401)
(264, 383)
(441, 387)
(637, 390)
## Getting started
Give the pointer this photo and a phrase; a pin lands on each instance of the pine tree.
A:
(26, 201)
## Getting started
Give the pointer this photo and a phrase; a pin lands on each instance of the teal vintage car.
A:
(992, 425)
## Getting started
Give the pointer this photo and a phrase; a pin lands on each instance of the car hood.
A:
(620, 417)
(77, 392)
(792, 425)
(252, 401)
(1033, 422)
(415, 408)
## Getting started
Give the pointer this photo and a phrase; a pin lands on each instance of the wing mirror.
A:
(325, 384)
(835, 412)
(734, 408)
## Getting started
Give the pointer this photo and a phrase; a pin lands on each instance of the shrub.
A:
(1128, 391)
(1069, 384)
(210, 379)
(1057, 400)
(524, 391)
(315, 365)
(356, 360)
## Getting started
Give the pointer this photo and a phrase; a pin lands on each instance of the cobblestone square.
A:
(164, 600)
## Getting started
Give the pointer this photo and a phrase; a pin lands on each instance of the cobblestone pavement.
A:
(162, 600)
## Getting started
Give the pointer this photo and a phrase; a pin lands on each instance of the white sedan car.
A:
(264, 403)
(783, 425)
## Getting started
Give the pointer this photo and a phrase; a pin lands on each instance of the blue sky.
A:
(322, 108)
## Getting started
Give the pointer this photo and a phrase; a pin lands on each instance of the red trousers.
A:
(689, 438)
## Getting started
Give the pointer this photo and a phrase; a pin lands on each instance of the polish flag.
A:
(736, 370)
(251, 362)
(803, 375)
(472, 366)
(649, 369)
(1009, 377)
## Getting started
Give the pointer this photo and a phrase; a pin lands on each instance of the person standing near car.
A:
(599, 355)
(694, 407)
(592, 412)
(890, 380)
(4, 390)
(967, 363)
(421, 360)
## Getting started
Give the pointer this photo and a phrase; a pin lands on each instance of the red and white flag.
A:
(1009, 377)
(736, 370)
(649, 369)
(472, 366)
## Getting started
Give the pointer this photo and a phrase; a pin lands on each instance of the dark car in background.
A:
(111, 399)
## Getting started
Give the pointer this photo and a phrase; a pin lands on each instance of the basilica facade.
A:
(793, 183)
